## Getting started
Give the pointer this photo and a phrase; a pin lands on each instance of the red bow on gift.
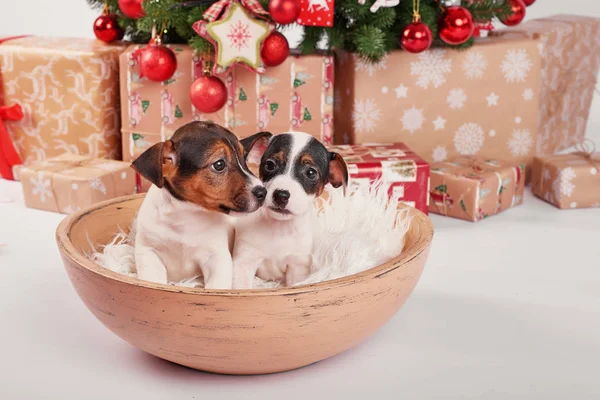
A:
(8, 155)
(216, 9)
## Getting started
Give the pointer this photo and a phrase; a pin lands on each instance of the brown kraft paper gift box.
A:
(568, 180)
(294, 96)
(69, 183)
(521, 92)
(473, 189)
(68, 89)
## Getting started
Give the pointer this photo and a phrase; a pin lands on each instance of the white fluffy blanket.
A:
(354, 233)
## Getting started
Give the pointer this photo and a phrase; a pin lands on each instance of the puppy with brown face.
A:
(199, 177)
(275, 243)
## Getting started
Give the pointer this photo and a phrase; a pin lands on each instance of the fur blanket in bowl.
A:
(352, 234)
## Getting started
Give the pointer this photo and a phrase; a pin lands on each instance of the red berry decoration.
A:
(528, 2)
(208, 94)
(284, 11)
(518, 13)
(416, 37)
(275, 49)
(107, 29)
(456, 25)
(132, 8)
(157, 63)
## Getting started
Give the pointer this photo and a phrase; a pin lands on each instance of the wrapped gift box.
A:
(294, 96)
(395, 165)
(568, 180)
(68, 90)
(473, 189)
(518, 93)
(69, 183)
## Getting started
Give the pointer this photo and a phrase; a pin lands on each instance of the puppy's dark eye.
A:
(270, 166)
(218, 166)
(311, 173)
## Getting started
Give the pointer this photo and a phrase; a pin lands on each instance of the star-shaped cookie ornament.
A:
(237, 38)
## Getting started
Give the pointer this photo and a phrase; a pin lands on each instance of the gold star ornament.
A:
(237, 38)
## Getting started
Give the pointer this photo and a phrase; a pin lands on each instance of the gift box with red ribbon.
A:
(61, 95)
(402, 171)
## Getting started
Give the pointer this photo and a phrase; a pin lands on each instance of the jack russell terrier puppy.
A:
(275, 243)
(200, 177)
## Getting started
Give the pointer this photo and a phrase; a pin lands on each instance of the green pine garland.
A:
(355, 28)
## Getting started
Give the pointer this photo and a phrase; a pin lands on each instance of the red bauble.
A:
(106, 28)
(275, 49)
(528, 2)
(456, 25)
(208, 94)
(132, 8)
(518, 13)
(157, 63)
(284, 11)
(416, 37)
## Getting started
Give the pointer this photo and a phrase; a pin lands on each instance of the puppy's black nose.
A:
(259, 192)
(281, 197)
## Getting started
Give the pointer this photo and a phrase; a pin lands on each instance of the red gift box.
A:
(395, 165)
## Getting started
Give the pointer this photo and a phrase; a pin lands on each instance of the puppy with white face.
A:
(275, 243)
(183, 228)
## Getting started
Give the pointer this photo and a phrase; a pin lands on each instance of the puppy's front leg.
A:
(149, 265)
(298, 269)
(244, 271)
(218, 271)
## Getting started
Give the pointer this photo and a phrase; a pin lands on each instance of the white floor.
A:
(508, 308)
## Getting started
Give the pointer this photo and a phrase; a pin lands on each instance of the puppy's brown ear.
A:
(255, 145)
(338, 171)
(156, 163)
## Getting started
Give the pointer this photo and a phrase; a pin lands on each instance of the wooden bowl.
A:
(236, 331)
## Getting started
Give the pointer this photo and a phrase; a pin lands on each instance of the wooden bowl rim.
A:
(82, 262)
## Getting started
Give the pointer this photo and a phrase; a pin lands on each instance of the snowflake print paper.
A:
(527, 94)
(520, 142)
(237, 38)
(474, 65)
(370, 68)
(366, 115)
(563, 184)
(516, 65)
(431, 68)
(456, 99)
(468, 139)
(316, 13)
(41, 186)
(440, 154)
(98, 185)
(412, 120)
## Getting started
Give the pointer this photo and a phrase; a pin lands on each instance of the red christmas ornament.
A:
(275, 49)
(208, 94)
(528, 2)
(284, 11)
(107, 29)
(132, 8)
(157, 62)
(518, 13)
(416, 37)
(456, 25)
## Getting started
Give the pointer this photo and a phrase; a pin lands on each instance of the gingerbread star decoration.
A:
(237, 38)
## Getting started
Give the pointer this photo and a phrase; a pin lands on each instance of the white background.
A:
(507, 308)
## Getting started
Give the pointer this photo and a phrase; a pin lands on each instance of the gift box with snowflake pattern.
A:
(396, 166)
(518, 93)
(294, 96)
(473, 188)
(69, 183)
(68, 89)
(568, 180)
